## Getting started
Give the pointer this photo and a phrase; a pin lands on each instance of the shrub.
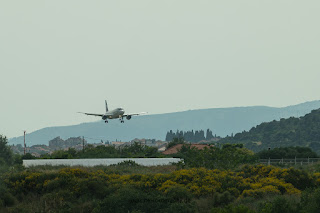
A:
(7, 199)
(130, 163)
(178, 193)
(220, 199)
(128, 199)
(280, 204)
(310, 201)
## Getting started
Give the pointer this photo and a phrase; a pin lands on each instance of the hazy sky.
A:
(60, 57)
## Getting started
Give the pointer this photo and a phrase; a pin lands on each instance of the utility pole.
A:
(82, 144)
(24, 141)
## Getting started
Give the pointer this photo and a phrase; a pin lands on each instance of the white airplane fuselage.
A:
(113, 114)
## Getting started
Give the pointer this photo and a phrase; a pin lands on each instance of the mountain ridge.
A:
(303, 131)
(222, 121)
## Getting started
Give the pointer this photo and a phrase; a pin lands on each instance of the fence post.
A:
(269, 162)
(295, 160)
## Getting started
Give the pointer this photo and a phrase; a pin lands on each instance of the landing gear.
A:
(106, 121)
(121, 120)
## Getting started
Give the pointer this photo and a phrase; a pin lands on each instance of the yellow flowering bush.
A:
(254, 181)
(260, 192)
(317, 178)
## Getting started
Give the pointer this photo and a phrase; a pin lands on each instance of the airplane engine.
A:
(104, 117)
(128, 117)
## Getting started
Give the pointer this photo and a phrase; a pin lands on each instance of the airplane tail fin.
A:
(106, 106)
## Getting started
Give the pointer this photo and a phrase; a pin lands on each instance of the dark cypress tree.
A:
(169, 136)
(188, 136)
(209, 135)
(201, 135)
(177, 134)
(196, 136)
(181, 134)
(192, 137)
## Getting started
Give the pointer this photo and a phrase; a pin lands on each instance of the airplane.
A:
(114, 114)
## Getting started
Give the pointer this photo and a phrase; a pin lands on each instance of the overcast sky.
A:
(60, 57)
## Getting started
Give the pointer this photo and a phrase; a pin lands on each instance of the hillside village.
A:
(80, 143)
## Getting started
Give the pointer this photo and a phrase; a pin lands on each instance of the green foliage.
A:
(300, 179)
(186, 190)
(287, 152)
(128, 163)
(179, 194)
(131, 199)
(27, 156)
(175, 141)
(6, 198)
(310, 201)
(136, 150)
(279, 205)
(6, 155)
(224, 198)
(303, 131)
(227, 157)
(62, 154)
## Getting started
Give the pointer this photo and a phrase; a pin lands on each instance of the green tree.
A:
(227, 157)
(6, 155)
(310, 201)
(175, 141)
(287, 152)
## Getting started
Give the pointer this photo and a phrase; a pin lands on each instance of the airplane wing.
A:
(131, 114)
(91, 114)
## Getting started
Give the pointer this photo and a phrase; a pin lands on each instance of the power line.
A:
(24, 141)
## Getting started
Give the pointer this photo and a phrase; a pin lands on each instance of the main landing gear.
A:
(106, 121)
(121, 120)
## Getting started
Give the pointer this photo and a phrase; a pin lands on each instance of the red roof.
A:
(177, 147)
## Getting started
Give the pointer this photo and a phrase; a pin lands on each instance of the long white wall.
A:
(99, 161)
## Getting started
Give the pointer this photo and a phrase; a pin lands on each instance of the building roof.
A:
(177, 147)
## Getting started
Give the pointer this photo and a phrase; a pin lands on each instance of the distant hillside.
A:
(222, 122)
(303, 131)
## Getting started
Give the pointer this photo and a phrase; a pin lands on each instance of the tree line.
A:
(303, 131)
(134, 150)
(191, 136)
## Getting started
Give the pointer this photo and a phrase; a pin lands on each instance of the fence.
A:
(293, 161)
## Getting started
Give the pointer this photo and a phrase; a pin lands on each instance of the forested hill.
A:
(221, 121)
(303, 131)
